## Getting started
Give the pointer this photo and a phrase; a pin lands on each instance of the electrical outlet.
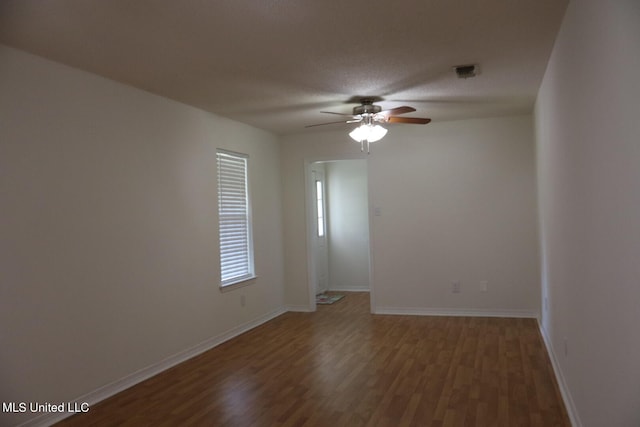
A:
(484, 285)
(455, 287)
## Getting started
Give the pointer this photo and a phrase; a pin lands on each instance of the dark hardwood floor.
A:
(342, 366)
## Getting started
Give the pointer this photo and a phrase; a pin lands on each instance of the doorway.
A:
(339, 233)
(319, 233)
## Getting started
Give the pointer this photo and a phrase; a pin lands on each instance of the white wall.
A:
(348, 225)
(109, 230)
(457, 202)
(588, 156)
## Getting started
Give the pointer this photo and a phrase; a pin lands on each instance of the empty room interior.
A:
(180, 181)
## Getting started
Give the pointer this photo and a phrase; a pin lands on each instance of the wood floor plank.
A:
(342, 366)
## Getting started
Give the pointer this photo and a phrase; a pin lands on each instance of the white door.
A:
(321, 250)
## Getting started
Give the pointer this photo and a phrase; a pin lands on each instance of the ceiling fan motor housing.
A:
(366, 109)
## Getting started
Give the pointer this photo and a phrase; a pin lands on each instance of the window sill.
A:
(239, 284)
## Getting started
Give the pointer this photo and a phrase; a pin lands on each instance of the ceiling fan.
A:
(369, 116)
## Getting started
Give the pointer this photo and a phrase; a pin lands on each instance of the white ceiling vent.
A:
(466, 71)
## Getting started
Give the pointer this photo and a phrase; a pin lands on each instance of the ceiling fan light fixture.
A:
(367, 132)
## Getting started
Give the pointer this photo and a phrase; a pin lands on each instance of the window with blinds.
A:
(234, 216)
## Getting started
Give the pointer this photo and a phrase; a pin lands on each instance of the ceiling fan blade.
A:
(412, 120)
(339, 114)
(398, 110)
(333, 123)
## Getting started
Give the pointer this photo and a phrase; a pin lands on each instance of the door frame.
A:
(309, 189)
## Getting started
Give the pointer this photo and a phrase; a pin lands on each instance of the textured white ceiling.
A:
(275, 64)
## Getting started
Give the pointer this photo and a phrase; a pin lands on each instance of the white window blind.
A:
(236, 248)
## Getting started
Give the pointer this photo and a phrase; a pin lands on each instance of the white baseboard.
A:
(115, 387)
(348, 289)
(418, 311)
(564, 390)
